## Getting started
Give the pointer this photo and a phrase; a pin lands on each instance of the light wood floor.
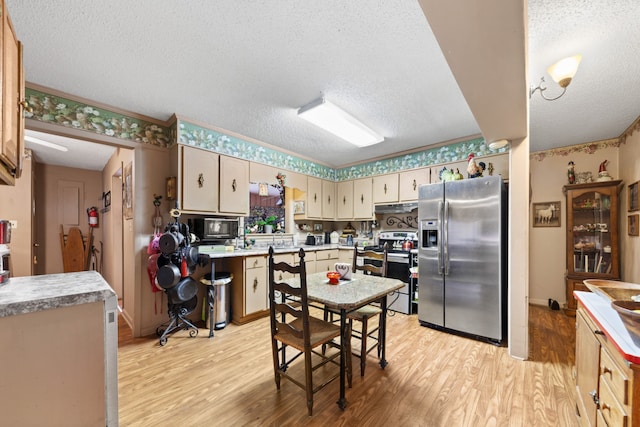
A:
(433, 379)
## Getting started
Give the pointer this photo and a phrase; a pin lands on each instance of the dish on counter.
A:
(613, 290)
(629, 312)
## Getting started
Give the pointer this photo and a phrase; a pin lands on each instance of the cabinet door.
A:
(385, 188)
(234, 185)
(12, 94)
(410, 181)
(329, 199)
(345, 200)
(288, 258)
(199, 180)
(362, 201)
(314, 197)
(587, 367)
(255, 285)
(592, 229)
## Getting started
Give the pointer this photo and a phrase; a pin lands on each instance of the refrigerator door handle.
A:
(445, 240)
(440, 240)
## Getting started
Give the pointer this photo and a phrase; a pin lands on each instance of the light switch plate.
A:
(14, 224)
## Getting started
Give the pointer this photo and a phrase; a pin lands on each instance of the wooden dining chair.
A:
(292, 326)
(364, 314)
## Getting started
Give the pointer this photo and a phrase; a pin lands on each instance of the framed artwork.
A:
(632, 225)
(106, 201)
(317, 227)
(171, 188)
(546, 214)
(127, 197)
(298, 207)
(633, 197)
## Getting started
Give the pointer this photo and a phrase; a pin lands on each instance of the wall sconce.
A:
(561, 72)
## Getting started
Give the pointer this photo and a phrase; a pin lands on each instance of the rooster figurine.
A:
(474, 170)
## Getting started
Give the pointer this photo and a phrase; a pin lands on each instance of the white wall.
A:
(547, 262)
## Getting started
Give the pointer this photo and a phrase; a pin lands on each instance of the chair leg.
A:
(308, 381)
(363, 345)
(276, 363)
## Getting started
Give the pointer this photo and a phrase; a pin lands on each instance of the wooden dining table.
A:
(347, 296)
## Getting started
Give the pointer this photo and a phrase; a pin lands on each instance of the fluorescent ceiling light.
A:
(45, 143)
(331, 118)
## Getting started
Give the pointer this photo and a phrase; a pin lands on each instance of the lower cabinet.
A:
(249, 288)
(606, 395)
(326, 259)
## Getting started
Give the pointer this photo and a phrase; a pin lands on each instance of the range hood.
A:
(396, 208)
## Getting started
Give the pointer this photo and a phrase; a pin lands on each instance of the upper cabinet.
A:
(314, 198)
(410, 181)
(362, 199)
(385, 188)
(345, 200)
(12, 140)
(328, 199)
(234, 186)
(198, 179)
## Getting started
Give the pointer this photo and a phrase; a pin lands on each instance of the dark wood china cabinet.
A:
(592, 235)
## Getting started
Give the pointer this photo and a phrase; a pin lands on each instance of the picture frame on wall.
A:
(127, 197)
(298, 207)
(546, 214)
(633, 197)
(632, 225)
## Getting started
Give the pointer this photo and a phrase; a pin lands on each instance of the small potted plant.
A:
(268, 223)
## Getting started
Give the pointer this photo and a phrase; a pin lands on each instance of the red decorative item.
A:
(93, 216)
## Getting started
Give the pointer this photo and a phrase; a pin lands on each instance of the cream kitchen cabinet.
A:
(197, 172)
(455, 167)
(362, 199)
(326, 259)
(234, 186)
(249, 288)
(328, 200)
(385, 188)
(314, 198)
(309, 259)
(281, 275)
(410, 181)
(606, 380)
(12, 139)
(344, 200)
(345, 255)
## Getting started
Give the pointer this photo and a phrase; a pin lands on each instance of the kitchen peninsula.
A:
(59, 336)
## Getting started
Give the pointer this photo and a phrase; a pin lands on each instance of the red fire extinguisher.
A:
(93, 216)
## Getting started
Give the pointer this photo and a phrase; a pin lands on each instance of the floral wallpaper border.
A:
(587, 148)
(65, 111)
(77, 115)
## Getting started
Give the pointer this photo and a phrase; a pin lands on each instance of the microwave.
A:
(214, 229)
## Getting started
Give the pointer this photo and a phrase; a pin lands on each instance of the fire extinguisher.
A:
(93, 216)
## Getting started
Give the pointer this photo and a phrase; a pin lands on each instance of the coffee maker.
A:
(5, 239)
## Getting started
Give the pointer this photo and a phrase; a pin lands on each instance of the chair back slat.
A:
(282, 313)
(361, 255)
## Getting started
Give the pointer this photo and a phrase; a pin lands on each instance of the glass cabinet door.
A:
(591, 232)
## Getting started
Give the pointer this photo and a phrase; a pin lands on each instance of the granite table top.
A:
(348, 294)
(29, 294)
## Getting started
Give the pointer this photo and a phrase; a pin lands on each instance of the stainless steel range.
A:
(402, 251)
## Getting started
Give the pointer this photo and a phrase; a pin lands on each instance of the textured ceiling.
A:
(247, 66)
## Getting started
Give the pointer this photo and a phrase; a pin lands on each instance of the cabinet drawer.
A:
(256, 262)
(611, 410)
(308, 257)
(616, 378)
(329, 254)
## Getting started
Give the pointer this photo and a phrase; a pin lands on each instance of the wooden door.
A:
(345, 200)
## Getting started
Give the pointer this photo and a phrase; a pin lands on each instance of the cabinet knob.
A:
(200, 180)
(606, 370)
(385, 189)
(415, 185)
(362, 198)
(329, 199)
(315, 197)
(255, 284)
(598, 332)
(344, 200)
(234, 185)
(25, 106)
(594, 396)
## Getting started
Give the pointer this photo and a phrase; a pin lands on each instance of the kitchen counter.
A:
(30, 294)
(264, 251)
(610, 323)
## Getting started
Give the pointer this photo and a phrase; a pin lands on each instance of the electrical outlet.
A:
(14, 224)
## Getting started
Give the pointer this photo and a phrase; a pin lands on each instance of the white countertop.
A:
(36, 293)
(610, 323)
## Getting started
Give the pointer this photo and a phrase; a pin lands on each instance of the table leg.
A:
(211, 297)
(383, 331)
(342, 401)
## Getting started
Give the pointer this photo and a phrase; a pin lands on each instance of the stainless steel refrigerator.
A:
(462, 257)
